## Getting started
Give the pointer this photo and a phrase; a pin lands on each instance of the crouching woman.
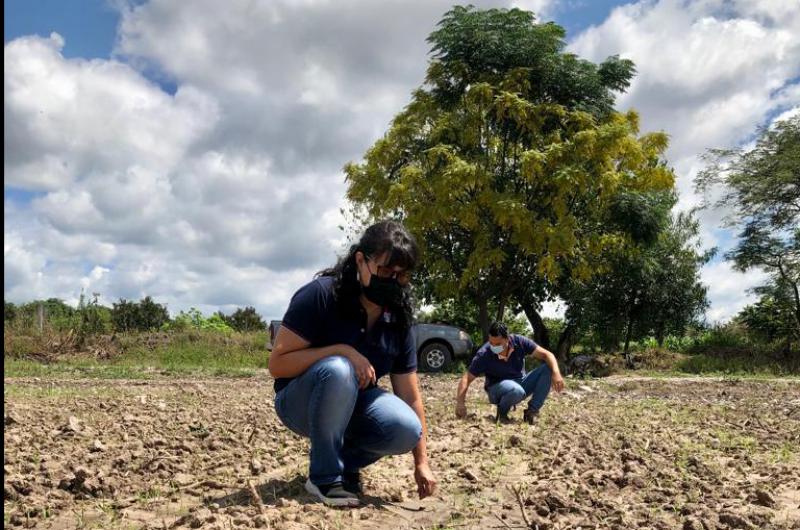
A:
(342, 332)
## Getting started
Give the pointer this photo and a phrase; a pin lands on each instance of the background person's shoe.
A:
(502, 417)
(351, 481)
(530, 416)
(332, 494)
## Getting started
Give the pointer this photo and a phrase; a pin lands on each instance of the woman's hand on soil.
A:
(426, 482)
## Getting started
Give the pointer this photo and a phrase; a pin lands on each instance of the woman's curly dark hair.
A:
(378, 239)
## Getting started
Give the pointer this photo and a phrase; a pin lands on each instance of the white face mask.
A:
(497, 349)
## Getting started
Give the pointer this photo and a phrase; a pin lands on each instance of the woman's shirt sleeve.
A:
(307, 310)
(406, 361)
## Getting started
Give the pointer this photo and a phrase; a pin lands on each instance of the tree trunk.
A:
(796, 305)
(660, 334)
(505, 292)
(795, 292)
(565, 342)
(629, 332)
(40, 317)
(483, 317)
(540, 332)
(501, 309)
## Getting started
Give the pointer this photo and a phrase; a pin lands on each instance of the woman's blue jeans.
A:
(349, 428)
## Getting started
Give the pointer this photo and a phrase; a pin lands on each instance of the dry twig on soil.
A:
(253, 433)
(502, 521)
(555, 456)
(518, 494)
(256, 498)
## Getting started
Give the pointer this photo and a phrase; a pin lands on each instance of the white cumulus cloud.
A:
(201, 163)
(709, 72)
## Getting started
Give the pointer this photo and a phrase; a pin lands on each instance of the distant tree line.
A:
(123, 316)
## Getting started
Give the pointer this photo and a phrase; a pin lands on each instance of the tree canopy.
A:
(651, 289)
(510, 164)
(761, 191)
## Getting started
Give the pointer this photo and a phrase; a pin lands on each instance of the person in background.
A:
(502, 361)
(342, 332)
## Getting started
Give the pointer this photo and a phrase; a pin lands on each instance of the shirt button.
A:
(362, 330)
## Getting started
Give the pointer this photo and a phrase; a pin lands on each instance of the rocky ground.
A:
(210, 453)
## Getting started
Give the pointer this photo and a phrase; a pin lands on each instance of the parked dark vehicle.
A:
(438, 345)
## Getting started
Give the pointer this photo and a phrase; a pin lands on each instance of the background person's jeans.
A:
(349, 429)
(509, 392)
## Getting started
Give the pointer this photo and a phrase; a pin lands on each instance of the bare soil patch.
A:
(694, 454)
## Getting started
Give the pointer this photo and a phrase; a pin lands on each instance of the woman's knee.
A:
(404, 434)
(336, 369)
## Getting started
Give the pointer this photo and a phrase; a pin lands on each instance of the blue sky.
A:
(576, 15)
(88, 26)
(197, 158)
(91, 31)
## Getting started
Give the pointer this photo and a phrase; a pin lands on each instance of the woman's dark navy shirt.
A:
(315, 316)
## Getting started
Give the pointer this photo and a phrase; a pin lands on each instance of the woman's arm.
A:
(406, 387)
(291, 356)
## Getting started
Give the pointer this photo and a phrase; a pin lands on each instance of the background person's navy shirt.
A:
(487, 363)
(314, 315)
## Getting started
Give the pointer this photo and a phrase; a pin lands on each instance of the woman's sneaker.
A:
(332, 494)
(351, 481)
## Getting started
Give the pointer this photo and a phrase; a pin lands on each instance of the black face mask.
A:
(383, 291)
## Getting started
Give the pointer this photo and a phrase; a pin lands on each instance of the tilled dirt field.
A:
(613, 453)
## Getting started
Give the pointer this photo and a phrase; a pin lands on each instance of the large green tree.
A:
(675, 297)
(604, 303)
(772, 318)
(507, 162)
(761, 190)
(650, 289)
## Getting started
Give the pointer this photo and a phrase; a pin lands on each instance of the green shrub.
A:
(92, 318)
(722, 337)
(142, 316)
(56, 315)
(771, 319)
(458, 367)
(246, 319)
(9, 311)
(194, 319)
(216, 323)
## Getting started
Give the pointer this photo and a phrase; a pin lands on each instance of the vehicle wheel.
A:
(435, 357)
